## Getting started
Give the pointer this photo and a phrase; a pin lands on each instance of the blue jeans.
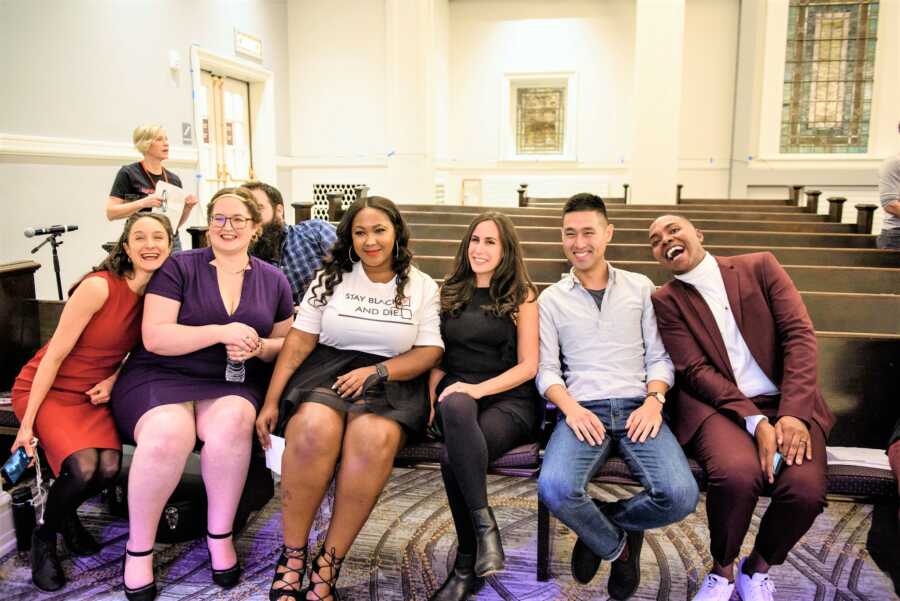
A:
(670, 491)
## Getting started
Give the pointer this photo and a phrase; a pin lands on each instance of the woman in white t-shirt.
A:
(350, 383)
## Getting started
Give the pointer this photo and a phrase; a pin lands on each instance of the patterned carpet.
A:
(406, 547)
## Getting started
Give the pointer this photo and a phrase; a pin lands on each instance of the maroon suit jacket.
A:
(776, 327)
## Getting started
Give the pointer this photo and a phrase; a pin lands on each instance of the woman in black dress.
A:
(484, 394)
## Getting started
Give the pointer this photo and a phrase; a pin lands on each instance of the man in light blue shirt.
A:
(602, 362)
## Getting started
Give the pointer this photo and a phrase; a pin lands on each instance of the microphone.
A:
(31, 232)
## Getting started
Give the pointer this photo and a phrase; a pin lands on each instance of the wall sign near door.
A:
(247, 45)
(187, 133)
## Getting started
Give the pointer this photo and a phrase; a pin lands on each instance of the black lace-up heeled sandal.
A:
(292, 590)
(328, 560)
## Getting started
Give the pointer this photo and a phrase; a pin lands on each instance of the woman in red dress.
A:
(60, 396)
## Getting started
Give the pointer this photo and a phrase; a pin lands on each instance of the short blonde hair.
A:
(144, 135)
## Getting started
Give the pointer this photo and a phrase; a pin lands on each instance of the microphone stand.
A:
(55, 242)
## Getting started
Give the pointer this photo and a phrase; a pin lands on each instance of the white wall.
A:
(707, 96)
(490, 38)
(758, 161)
(91, 72)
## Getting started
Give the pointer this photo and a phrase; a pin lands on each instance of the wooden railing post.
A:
(865, 215)
(302, 211)
(523, 195)
(625, 187)
(335, 206)
(836, 208)
(198, 236)
(678, 193)
(795, 195)
(812, 201)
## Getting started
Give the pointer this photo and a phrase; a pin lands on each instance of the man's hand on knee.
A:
(794, 441)
(586, 425)
(766, 445)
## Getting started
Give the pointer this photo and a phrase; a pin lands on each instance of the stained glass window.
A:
(828, 76)
(540, 120)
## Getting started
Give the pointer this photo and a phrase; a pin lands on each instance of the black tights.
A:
(82, 475)
(472, 441)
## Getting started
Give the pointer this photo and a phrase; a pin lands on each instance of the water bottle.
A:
(235, 371)
(23, 517)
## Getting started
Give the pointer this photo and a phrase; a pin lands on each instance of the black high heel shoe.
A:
(228, 577)
(294, 590)
(144, 593)
(329, 561)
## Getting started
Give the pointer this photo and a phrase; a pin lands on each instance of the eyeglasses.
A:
(238, 222)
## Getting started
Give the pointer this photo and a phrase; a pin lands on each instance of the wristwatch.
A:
(659, 397)
(382, 371)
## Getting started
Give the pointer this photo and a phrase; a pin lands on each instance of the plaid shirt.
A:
(305, 245)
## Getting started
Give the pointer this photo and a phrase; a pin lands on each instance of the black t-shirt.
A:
(598, 296)
(133, 182)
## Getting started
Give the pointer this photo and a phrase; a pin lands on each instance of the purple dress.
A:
(149, 380)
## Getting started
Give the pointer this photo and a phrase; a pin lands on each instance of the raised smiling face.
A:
(676, 244)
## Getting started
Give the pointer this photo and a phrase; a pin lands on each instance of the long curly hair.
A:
(341, 259)
(117, 262)
(510, 285)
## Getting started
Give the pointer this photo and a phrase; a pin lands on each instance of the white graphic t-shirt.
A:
(361, 315)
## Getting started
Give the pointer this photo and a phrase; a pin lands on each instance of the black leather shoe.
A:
(142, 593)
(625, 574)
(461, 582)
(489, 555)
(585, 562)
(78, 540)
(46, 573)
(228, 577)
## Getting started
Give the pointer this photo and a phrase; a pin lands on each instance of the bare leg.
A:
(312, 445)
(370, 444)
(225, 426)
(165, 436)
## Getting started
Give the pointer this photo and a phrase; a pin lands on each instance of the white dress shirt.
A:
(706, 278)
(605, 353)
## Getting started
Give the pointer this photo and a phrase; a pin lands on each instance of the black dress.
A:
(478, 347)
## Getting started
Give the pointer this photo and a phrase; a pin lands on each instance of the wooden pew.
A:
(841, 257)
(726, 237)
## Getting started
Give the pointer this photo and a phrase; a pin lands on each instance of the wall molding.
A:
(18, 146)
(332, 162)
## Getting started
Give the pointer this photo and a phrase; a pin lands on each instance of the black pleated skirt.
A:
(404, 402)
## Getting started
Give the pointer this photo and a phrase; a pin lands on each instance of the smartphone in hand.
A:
(777, 463)
(15, 466)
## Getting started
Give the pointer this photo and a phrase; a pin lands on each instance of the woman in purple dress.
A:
(203, 309)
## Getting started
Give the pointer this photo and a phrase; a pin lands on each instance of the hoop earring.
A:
(350, 255)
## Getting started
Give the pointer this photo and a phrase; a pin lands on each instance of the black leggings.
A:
(82, 475)
(473, 439)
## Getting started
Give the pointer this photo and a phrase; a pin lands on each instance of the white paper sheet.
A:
(173, 201)
(858, 456)
(274, 453)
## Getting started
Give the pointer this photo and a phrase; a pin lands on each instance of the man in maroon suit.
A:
(744, 351)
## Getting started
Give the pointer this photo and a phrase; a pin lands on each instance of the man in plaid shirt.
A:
(298, 250)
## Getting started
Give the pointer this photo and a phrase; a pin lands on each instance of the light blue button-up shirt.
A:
(604, 353)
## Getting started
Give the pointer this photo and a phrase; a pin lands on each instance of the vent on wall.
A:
(320, 198)
(440, 193)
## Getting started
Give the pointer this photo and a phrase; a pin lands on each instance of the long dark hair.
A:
(341, 261)
(510, 284)
(117, 261)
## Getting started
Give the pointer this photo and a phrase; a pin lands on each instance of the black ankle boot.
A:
(489, 557)
(46, 573)
(78, 540)
(461, 582)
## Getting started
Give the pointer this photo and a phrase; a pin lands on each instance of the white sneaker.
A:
(714, 588)
(759, 587)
